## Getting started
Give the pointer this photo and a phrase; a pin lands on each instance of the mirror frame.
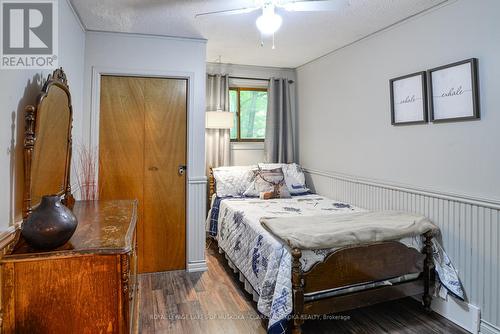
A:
(58, 79)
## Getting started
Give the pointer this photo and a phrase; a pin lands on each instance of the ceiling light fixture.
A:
(269, 22)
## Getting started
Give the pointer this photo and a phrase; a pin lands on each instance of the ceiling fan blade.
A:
(314, 6)
(244, 10)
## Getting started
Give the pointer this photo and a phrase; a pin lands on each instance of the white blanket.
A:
(332, 231)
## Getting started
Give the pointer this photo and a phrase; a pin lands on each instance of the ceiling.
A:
(302, 37)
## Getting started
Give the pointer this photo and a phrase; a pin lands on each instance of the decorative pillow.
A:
(233, 181)
(268, 183)
(294, 176)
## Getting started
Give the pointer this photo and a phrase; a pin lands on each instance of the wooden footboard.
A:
(357, 265)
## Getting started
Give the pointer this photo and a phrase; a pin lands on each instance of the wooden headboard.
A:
(211, 186)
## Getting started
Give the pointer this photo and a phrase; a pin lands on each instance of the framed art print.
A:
(454, 92)
(409, 99)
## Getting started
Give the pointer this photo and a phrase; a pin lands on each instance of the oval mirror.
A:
(48, 143)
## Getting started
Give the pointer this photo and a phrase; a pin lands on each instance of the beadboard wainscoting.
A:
(197, 193)
(469, 227)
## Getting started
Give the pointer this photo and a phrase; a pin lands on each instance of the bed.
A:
(291, 285)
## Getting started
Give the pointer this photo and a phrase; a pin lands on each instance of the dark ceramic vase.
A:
(50, 225)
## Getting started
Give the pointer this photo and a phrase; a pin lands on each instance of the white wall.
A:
(345, 127)
(344, 105)
(149, 55)
(247, 153)
(19, 88)
(243, 154)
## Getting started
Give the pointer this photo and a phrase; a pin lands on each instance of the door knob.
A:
(182, 169)
(153, 168)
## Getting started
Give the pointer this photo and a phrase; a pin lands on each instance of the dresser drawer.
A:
(61, 295)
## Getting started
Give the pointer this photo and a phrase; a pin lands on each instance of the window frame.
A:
(238, 138)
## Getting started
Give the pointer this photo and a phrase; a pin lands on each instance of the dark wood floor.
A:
(215, 302)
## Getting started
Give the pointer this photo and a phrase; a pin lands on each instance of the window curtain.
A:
(279, 142)
(217, 140)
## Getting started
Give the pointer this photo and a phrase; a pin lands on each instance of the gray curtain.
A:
(217, 140)
(279, 142)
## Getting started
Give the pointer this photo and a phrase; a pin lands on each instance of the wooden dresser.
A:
(87, 286)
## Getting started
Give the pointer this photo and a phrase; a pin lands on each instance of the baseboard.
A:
(487, 328)
(197, 266)
(463, 314)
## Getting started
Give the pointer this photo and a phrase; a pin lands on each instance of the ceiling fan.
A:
(269, 22)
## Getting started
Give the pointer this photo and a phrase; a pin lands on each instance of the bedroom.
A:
(167, 109)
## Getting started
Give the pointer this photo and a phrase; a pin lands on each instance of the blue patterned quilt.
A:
(266, 263)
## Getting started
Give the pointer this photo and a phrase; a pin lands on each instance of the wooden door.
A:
(164, 188)
(141, 146)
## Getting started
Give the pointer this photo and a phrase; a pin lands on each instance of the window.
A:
(250, 108)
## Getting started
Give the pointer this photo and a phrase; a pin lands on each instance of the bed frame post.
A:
(211, 187)
(428, 271)
(298, 292)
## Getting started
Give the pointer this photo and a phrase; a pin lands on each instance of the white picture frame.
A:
(409, 99)
(453, 91)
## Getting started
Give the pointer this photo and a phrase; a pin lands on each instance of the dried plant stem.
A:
(86, 173)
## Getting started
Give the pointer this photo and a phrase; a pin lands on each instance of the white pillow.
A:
(233, 181)
(294, 176)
